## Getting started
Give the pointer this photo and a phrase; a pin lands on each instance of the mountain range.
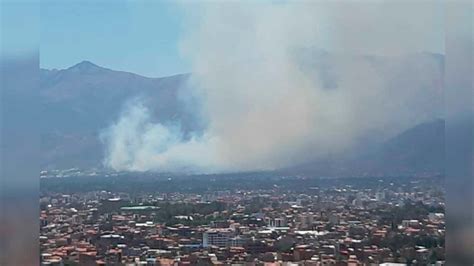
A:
(80, 101)
(416, 151)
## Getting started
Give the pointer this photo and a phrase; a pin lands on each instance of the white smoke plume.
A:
(260, 91)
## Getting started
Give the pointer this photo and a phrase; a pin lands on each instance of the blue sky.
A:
(19, 28)
(143, 36)
(136, 36)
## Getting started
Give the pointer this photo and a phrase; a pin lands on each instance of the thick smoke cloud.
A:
(136, 144)
(262, 80)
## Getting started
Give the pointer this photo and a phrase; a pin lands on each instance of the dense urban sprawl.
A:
(366, 221)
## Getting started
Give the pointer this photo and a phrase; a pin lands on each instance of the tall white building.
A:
(216, 237)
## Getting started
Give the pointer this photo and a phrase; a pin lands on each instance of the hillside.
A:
(79, 101)
(418, 150)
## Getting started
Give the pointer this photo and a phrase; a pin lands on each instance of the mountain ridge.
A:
(87, 65)
(418, 150)
(82, 100)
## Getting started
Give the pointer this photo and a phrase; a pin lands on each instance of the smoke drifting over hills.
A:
(261, 83)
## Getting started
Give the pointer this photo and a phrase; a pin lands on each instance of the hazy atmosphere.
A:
(236, 132)
(279, 84)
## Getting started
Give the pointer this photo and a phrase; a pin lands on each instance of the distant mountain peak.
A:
(85, 66)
